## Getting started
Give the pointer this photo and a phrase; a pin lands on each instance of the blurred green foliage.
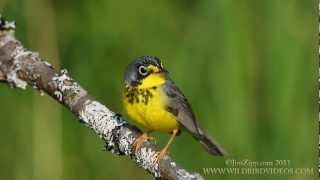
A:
(248, 68)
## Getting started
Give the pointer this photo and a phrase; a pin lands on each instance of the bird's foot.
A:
(140, 140)
(160, 155)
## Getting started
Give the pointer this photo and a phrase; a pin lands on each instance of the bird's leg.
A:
(141, 139)
(160, 155)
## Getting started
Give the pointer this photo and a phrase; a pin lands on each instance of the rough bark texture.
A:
(20, 67)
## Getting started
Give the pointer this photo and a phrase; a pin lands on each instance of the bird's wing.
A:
(178, 105)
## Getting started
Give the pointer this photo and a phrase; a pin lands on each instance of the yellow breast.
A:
(146, 105)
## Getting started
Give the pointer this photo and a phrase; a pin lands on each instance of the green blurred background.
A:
(248, 68)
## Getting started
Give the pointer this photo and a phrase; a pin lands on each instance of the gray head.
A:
(142, 67)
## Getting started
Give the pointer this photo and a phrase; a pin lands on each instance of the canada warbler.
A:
(151, 99)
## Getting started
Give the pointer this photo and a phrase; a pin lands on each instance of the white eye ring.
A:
(143, 70)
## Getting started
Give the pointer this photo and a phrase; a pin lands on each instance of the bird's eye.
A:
(143, 70)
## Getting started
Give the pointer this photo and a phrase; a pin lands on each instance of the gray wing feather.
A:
(178, 105)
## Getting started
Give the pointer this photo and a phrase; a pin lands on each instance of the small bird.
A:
(151, 99)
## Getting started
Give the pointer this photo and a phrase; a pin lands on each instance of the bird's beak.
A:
(163, 70)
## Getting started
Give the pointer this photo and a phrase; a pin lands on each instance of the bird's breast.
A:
(147, 106)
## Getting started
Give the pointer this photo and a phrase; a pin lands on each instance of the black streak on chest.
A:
(135, 95)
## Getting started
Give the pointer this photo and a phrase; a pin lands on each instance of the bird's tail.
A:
(210, 145)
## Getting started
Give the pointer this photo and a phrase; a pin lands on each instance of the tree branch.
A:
(20, 67)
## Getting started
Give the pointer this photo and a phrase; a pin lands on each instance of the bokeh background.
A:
(248, 68)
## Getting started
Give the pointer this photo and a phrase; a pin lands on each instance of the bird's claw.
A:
(160, 155)
(150, 138)
(140, 140)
